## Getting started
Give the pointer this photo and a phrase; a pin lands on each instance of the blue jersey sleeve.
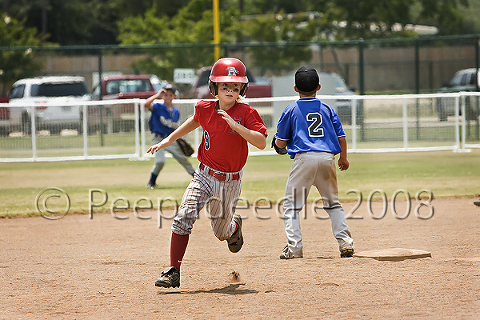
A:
(337, 125)
(284, 127)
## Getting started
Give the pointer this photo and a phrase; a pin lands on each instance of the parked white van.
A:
(41, 92)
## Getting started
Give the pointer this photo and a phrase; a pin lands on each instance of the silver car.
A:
(463, 80)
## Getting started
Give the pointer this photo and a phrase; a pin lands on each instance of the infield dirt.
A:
(104, 268)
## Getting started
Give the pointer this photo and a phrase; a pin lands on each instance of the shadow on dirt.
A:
(230, 289)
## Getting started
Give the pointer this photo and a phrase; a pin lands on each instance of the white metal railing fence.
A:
(119, 128)
(33, 133)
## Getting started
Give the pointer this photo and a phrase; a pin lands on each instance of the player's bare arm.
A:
(255, 138)
(343, 163)
(281, 143)
(188, 126)
(149, 101)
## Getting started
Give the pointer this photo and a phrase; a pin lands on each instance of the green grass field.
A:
(446, 174)
(63, 146)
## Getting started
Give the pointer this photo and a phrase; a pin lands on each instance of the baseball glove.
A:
(277, 149)
(186, 147)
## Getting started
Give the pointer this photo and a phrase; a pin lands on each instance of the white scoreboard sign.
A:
(184, 76)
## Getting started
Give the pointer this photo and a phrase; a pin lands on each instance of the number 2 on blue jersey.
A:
(315, 129)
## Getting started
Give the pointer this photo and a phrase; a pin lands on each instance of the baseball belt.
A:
(219, 175)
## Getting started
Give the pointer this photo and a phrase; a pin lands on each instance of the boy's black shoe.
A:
(169, 278)
(151, 185)
(235, 242)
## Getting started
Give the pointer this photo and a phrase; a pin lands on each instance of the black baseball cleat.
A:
(347, 253)
(347, 250)
(151, 186)
(235, 242)
(169, 278)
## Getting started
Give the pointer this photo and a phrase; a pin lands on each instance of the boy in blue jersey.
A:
(313, 135)
(163, 121)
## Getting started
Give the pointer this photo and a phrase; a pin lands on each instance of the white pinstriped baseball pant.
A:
(219, 197)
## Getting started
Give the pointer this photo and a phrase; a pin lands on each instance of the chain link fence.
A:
(420, 65)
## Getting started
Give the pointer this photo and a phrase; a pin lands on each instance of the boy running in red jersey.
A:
(228, 126)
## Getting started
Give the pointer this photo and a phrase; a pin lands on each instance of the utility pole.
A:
(216, 30)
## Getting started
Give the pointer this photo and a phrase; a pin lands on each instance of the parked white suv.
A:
(43, 91)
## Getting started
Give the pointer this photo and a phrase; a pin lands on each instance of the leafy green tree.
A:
(16, 63)
(65, 22)
(96, 21)
(281, 29)
(128, 8)
(376, 18)
(86, 21)
(71, 22)
(370, 18)
(444, 14)
(192, 25)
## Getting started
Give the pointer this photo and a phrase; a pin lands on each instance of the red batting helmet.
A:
(228, 70)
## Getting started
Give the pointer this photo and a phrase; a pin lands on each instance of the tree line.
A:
(126, 22)
(100, 21)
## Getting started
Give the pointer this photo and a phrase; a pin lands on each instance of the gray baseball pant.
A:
(318, 169)
(176, 152)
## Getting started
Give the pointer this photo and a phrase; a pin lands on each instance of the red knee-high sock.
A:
(178, 245)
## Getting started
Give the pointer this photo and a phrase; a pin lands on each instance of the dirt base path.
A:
(104, 268)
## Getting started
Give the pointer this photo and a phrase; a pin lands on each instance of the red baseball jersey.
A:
(222, 148)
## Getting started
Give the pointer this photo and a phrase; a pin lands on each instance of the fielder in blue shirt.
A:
(163, 121)
(311, 132)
